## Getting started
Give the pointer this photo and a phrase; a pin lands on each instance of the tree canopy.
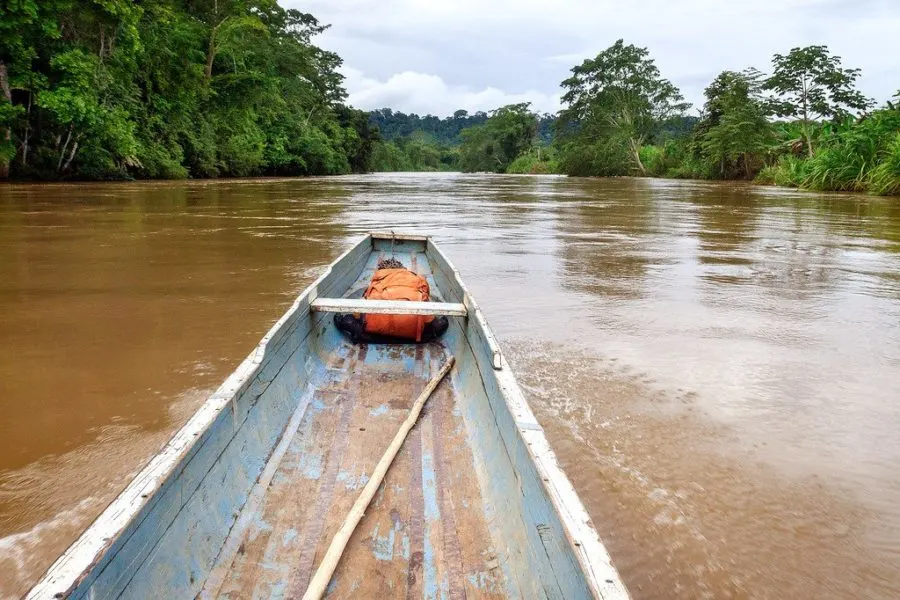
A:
(616, 98)
(492, 147)
(811, 84)
(394, 125)
(111, 89)
(734, 132)
(171, 88)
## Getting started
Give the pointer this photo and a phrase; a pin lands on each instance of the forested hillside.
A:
(395, 125)
(430, 143)
(171, 88)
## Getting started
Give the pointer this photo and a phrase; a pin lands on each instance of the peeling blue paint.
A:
(429, 489)
(289, 536)
(260, 525)
(351, 481)
(432, 515)
(379, 410)
(484, 582)
(311, 465)
(383, 546)
(404, 547)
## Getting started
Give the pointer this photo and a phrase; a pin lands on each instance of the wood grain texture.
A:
(321, 475)
(320, 579)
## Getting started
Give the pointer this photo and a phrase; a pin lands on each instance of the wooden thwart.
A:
(323, 574)
(388, 307)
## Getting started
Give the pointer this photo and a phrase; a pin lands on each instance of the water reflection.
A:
(607, 239)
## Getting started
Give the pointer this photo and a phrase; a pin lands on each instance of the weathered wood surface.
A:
(322, 576)
(424, 530)
(388, 307)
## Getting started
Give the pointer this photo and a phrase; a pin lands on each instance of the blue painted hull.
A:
(244, 500)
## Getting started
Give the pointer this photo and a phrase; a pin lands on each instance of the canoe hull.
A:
(188, 523)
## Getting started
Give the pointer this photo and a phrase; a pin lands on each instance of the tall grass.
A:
(885, 178)
(853, 156)
(535, 162)
(847, 154)
(788, 171)
(675, 160)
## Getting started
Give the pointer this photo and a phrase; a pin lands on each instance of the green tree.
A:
(510, 131)
(23, 24)
(8, 115)
(479, 152)
(169, 88)
(388, 156)
(734, 133)
(514, 127)
(811, 84)
(617, 97)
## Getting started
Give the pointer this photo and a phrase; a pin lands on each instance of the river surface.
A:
(716, 365)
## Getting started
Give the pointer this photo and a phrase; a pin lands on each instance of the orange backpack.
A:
(397, 284)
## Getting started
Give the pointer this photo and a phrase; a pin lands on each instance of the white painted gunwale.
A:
(75, 563)
(594, 559)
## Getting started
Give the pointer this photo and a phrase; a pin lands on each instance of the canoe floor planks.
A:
(424, 535)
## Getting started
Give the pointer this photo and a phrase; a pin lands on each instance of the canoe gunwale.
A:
(63, 577)
(582, 536)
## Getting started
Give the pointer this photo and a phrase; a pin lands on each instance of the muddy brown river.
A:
(716, 365)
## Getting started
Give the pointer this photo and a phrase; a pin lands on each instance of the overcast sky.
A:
(436, 56)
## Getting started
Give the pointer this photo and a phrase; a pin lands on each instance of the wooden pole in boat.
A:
(322, 576)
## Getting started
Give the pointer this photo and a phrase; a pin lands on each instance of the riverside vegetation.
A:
(205, 88)
(805, 125)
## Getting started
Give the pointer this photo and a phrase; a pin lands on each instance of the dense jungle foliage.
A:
(171, 88)
(804, 125)
(112, 89)
(429, 143)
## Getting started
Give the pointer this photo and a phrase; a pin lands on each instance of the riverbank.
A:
(853, 156)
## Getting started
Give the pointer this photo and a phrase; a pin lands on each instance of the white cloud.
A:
(423, 93)
(428, 54)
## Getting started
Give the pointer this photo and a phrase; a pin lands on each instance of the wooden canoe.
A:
(245, 498)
